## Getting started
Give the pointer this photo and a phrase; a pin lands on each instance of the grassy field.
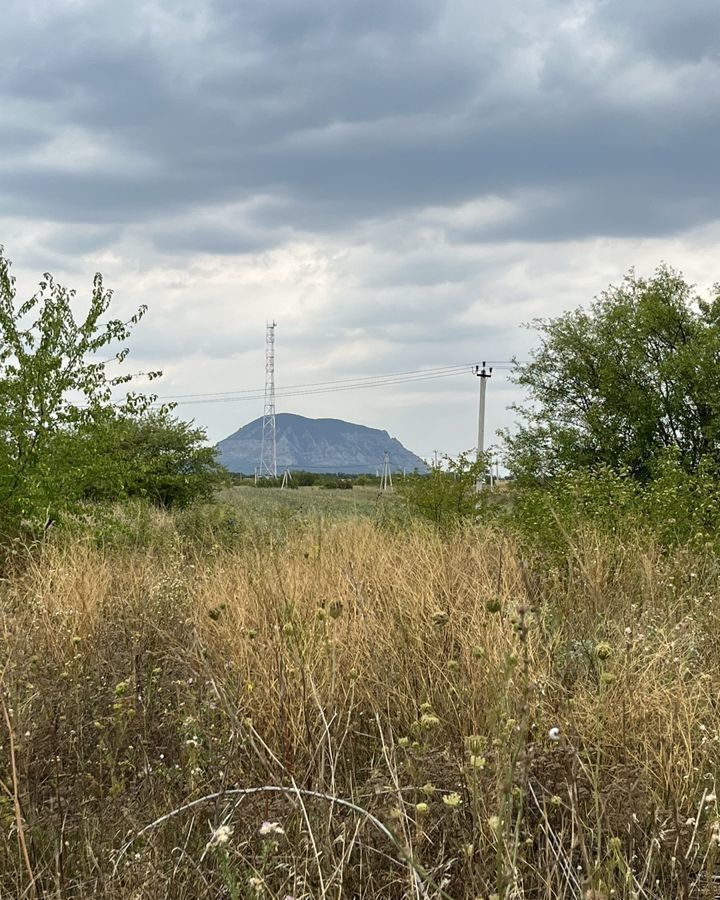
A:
(343, 706)
(306, 503)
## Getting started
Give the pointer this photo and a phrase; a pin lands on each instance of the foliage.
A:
(619, 384)
(446, 496)
(672, 508)
(338, 484)
(302, 478)
(154, 456)
(62, 438)
(51, 381)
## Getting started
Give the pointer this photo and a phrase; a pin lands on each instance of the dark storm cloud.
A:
(359, 110)
(666, 29)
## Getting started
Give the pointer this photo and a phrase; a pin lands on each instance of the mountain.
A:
(317, 445)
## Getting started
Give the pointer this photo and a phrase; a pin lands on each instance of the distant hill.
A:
(317, 445)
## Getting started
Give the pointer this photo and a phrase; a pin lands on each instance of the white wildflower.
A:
(221, 835)
(452, 800)
(554, 734)
(271, 828)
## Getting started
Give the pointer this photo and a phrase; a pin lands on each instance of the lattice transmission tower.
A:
(268, 450)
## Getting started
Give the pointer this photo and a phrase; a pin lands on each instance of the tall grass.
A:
(500, 725)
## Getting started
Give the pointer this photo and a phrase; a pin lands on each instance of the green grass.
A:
(311, 502)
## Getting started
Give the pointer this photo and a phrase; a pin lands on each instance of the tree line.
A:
(624, 385)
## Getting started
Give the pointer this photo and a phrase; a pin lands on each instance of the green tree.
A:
(622, 383)
(62, 438)
(153, 456)
(51, 379)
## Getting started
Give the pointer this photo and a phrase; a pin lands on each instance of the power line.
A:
(327, 390)
(312, 384)
(331, 387)
(327, 387)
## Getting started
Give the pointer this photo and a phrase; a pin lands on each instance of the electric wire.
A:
(331, 386)
(283, 394)
(327, 387)
(312, 384)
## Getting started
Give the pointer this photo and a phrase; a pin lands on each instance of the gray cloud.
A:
(357, 110)
(687, 32)
(400, 184)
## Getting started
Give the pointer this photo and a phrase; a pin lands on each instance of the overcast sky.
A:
(399, 183)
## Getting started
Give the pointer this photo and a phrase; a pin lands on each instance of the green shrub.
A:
(446, 496)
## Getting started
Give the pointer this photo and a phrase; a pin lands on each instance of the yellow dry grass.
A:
(391, 668)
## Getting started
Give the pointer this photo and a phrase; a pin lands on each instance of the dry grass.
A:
(416, 676)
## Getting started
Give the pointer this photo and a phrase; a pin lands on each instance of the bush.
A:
(337, 484)
(447, 496)
(154, 456)
(674, 507)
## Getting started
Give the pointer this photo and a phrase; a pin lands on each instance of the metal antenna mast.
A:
(268, 450)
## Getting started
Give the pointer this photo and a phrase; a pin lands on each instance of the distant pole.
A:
(286, 479)
(386, 480)
(483, 374)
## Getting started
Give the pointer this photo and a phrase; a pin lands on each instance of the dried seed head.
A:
(429, 720)
(474, 743)
(335, 609)
(603, 650)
